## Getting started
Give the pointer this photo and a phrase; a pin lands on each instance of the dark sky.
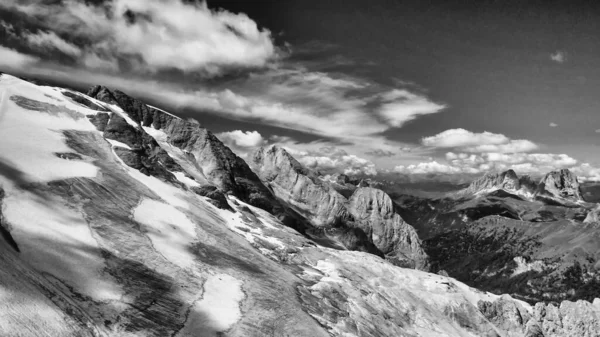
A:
(488, 60)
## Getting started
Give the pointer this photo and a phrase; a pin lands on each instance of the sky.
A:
(427, 89)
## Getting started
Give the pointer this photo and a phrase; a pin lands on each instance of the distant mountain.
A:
(369, 213)
(555, 187)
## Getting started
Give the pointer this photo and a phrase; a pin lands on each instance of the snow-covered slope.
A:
(100, 240)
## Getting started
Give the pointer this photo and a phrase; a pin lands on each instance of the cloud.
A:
(478, 142)
(153, 35)
(597, 131)
(11, 58)
(331, 159)
(48, 40)
(401, 106)
(427, 168)
(559, 56)
(553, 125)
(469, 163)
(248, 139)
(380, 153)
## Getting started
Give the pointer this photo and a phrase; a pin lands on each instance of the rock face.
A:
(370, 210)
(556, 186)
(374, 213)
(300, 187)
(199, 148)
(593, 216)
(561, 185)
(568, 319)
(507, 180)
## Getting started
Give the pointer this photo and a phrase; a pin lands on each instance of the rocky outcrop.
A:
(593, 216)
(568, 319)
(203, 151)
(216, 196)
(560, 185)
(374, 213)
(300, 187)
(508, 181)
(369, 210)
(556, 187)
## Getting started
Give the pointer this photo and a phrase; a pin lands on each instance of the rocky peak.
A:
(299, 186)
(374, 212)
(205, 156)
(507, 180)
(369, 213)
(593, 215)
(561, 184)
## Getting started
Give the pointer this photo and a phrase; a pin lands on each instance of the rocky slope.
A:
(196, 149)
(369, 210)
(93, 245)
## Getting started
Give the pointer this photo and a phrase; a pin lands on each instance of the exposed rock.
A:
(5, 228)
(508, 181)
(212, 192)
(569, 319)
(212, 158)
(593, 215)
(370, 210)
(83, 100)
(561, 185)
(300, 187)
(374, 213)
(505, 313)
(68, 155)
(100, 120)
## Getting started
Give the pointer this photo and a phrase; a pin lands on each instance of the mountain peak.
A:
(507, 180)
(560, 184)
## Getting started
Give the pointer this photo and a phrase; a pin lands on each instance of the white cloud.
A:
(427, 168)
(162, 34)
(478, 142)
(553, 125)
(11, 58)
(248, 139)
(559, 56)
(46, 40)
(401, 106)
(597, 131)
(331, 159)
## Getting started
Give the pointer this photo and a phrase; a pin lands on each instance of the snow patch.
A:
(218, 310)
(57, 240)
(170, 231)
(185, 180)
(116, 143)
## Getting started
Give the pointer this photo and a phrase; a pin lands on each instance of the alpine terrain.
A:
(120, 219)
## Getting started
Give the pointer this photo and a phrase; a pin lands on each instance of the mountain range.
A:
(121, 219)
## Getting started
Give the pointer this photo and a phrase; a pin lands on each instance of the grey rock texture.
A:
(300, 187)
(593, 216)
(567, 319)
(561, 184)
(507, 180)
(373, 212)
(368, 209)
(204, 151)
(216, 196)
(555, 187)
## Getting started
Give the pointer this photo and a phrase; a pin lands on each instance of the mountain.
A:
(560, 185)
(368, 214)
(104, 235)
(508, 234)
(555, 187)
